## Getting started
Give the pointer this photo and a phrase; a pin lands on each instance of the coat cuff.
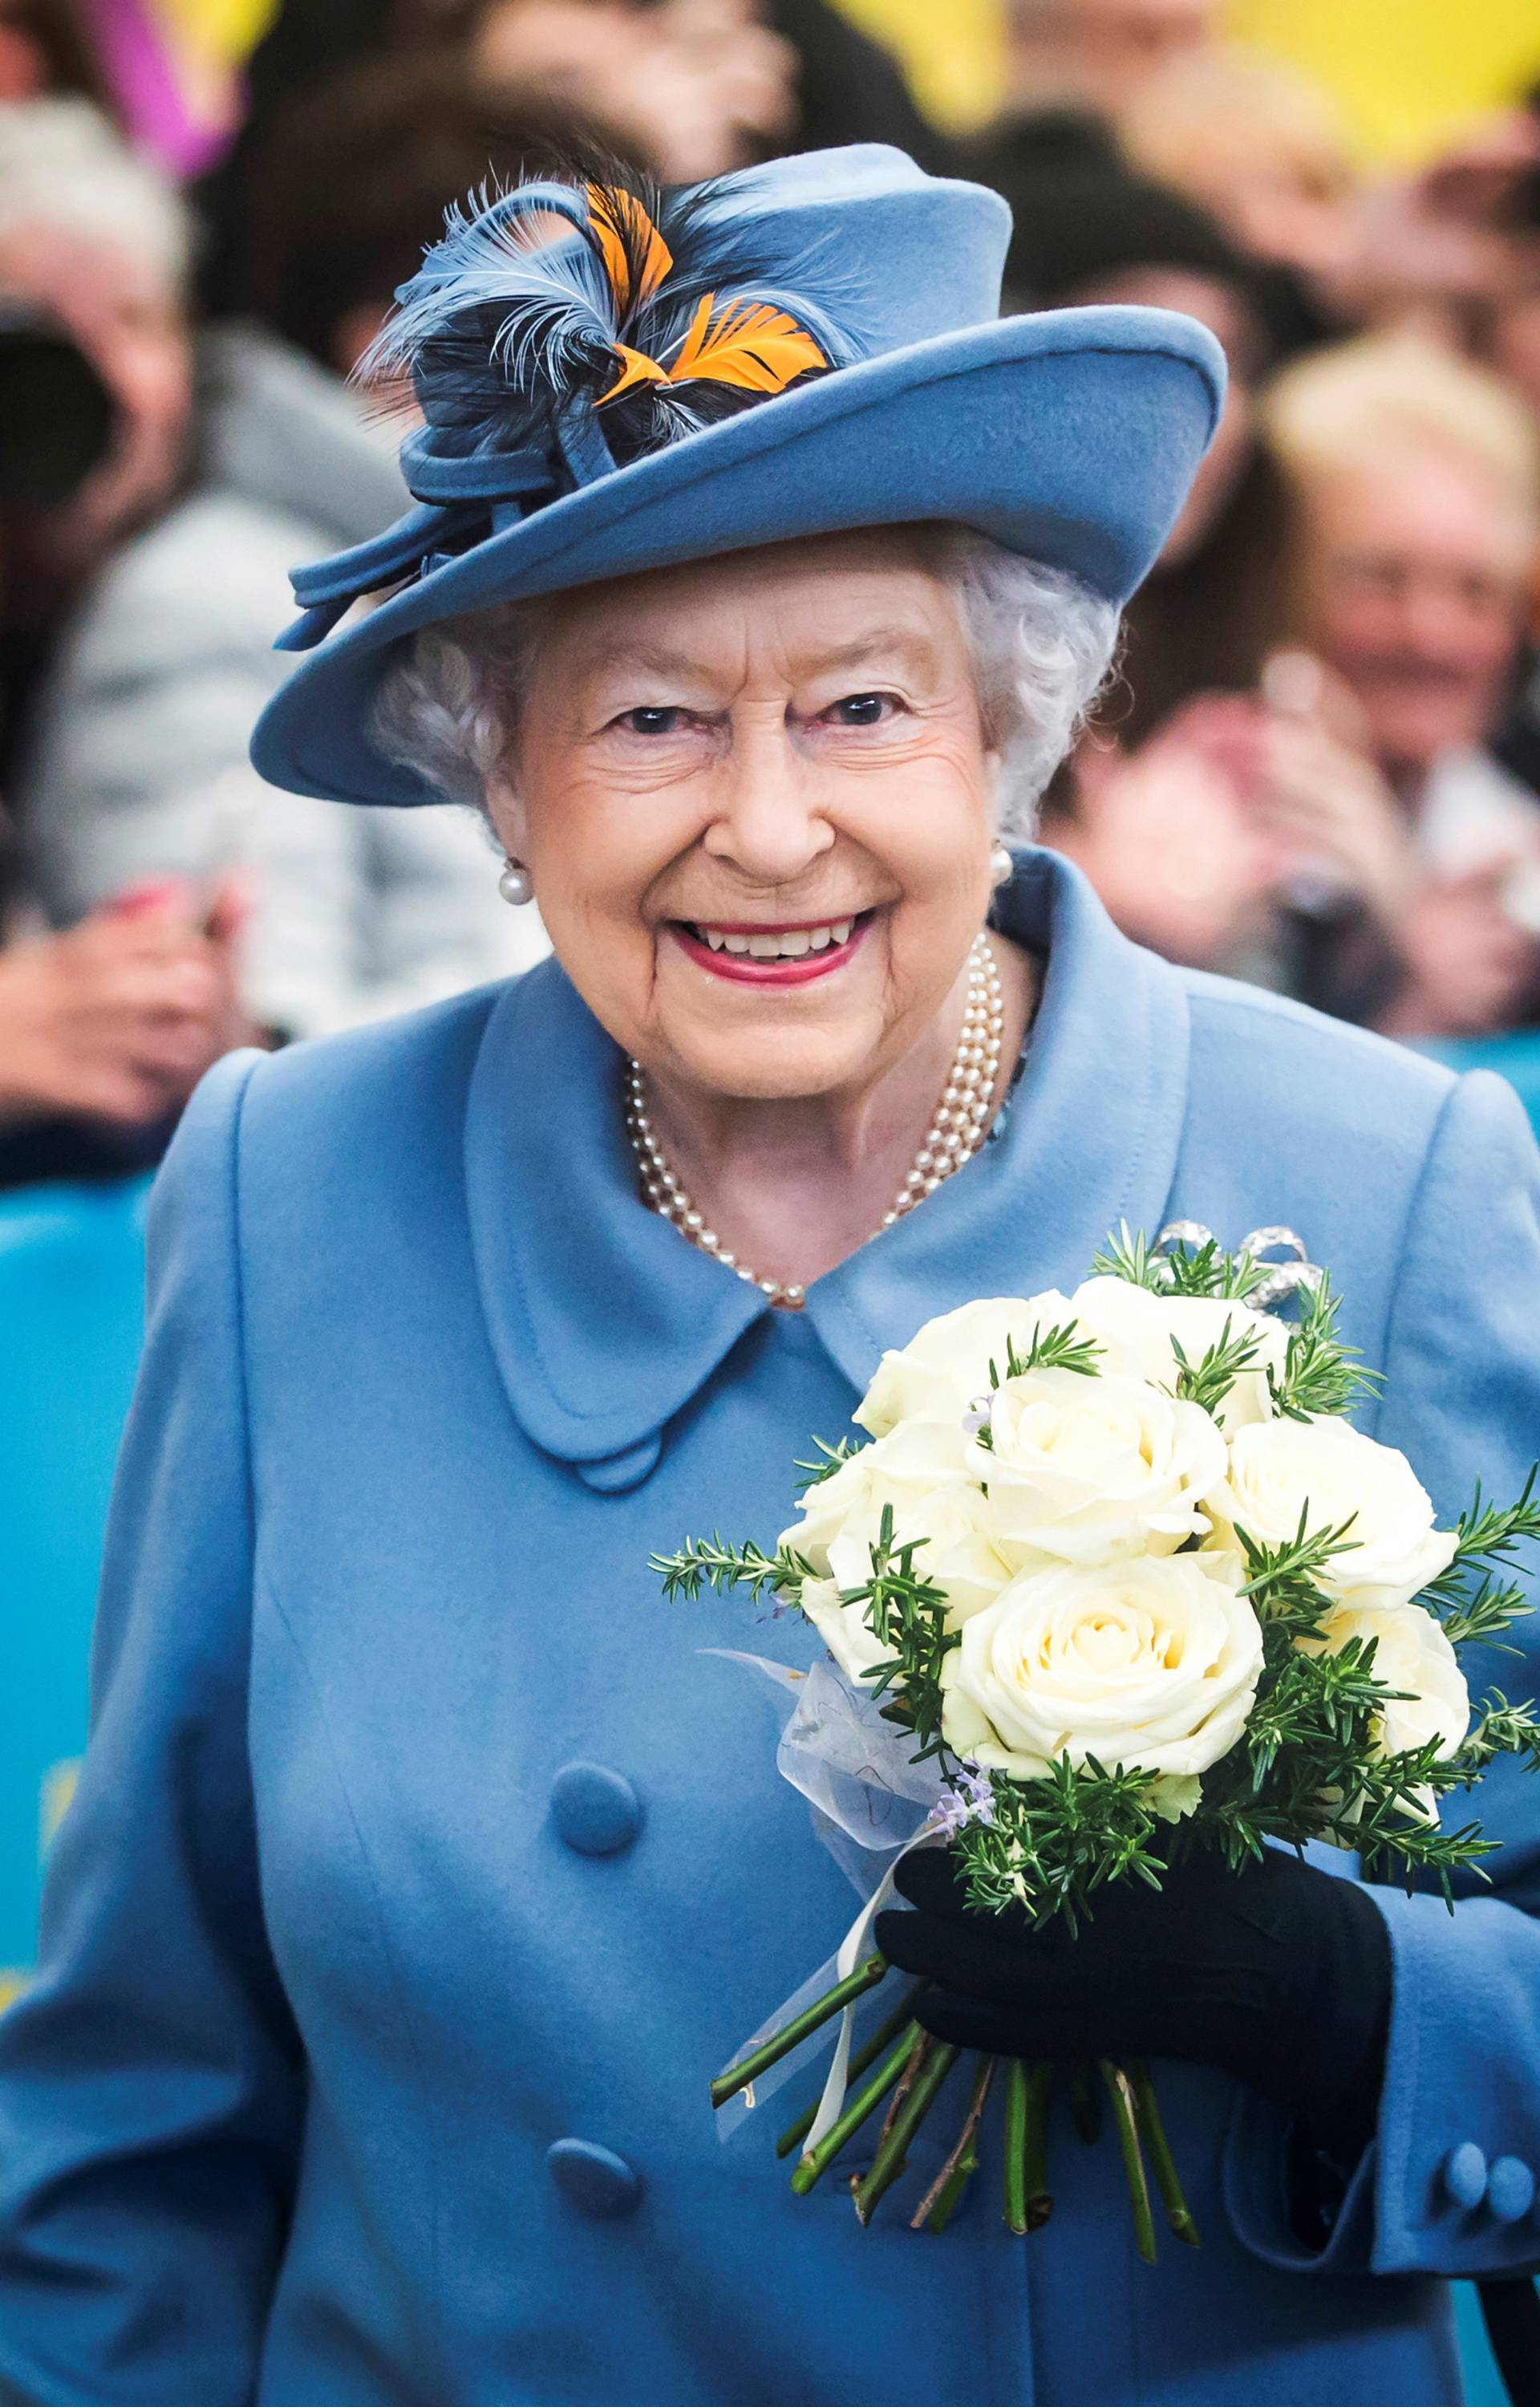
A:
(1448, 2185)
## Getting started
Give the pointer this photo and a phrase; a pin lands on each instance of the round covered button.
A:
(595, 2180)
(1465, 2175)
(1510, 2189)
(596, 1810)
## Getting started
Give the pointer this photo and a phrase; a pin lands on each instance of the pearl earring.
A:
(1001, 866)
(516, 885)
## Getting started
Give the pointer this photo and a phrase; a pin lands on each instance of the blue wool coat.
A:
(424, 1864)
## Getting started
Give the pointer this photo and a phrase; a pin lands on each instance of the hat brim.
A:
(1070, 437)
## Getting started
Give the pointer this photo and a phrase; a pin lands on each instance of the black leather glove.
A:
(1280, 1974)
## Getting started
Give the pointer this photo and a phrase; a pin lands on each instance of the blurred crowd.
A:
(1318, 767)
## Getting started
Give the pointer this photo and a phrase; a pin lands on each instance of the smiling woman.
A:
(759, 798)
(757, 574)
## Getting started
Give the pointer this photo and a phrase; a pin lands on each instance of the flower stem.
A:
(815, 2162)
(1015, 2146)
(893, 2149)
(1027, 2202)
(1085, 2104)
(1162, 2162)
(1040, 2205)
(812, 2018)
(883, 2037)
(940, 2200)
(1125, 2118)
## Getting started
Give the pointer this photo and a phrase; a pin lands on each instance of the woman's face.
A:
(756, 804)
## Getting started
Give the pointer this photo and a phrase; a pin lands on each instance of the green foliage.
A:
(1049, 1845)
(907, 1613)
(1209, 1380)
(1051, 1349)
(1322, 1372)
(1208, 1270)
(826, 1461)
(1126, 1256)
(710, 1562)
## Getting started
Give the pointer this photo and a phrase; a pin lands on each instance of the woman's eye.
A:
(860, 710)
(651, 718)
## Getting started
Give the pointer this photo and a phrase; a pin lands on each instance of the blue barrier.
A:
(71, 1327)
(1514, 1058)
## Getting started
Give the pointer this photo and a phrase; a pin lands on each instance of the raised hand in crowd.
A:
(118, 1019)
(1470, 963)
(1164, 835)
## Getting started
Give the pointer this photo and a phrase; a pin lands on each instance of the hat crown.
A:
(926, 254)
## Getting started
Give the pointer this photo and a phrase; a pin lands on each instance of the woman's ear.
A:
(507, 816)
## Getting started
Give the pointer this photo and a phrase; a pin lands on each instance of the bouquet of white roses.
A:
(1113, 1576)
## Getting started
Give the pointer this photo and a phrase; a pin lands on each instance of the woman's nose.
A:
(768, 823)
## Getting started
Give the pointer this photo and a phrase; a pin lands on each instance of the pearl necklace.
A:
(958, 1128)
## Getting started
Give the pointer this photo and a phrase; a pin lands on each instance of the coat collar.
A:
(604, 1324)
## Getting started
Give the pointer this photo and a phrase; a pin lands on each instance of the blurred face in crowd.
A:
(1413, 592)
(1103, 49)
(757, 806)
(696, 87)
(126, 317)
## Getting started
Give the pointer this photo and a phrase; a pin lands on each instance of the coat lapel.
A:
(602, 1319)
(604, 1323)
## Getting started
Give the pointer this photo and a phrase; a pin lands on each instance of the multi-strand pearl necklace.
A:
(958, 1127)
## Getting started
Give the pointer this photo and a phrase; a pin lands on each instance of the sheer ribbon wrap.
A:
(870, 1804)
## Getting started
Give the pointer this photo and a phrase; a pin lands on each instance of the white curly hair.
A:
(1042, 645)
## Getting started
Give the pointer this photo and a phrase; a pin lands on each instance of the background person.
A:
(141, 616)
(1419, 478)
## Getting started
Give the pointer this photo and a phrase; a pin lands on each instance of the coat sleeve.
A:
(1449, 2184)
(150, 2077)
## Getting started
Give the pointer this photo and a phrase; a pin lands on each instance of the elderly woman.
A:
(423, 1863)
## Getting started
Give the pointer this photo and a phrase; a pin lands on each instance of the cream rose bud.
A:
(1150, 1664)
(1413, 1655)
(1140, 1331)
(1331, 1473)
(921, 1469)
(945, 1365)
(1087, 1470)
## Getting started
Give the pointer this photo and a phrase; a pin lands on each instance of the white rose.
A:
(921, 1470)
(1150, 1664)
(1413, 1655)
(945, 1365)
(1331, 1473)
(1087, 1470)
(1138, 1327)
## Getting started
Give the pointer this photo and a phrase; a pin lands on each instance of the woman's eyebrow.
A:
(895, 642)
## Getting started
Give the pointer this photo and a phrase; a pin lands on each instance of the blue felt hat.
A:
(615, 379)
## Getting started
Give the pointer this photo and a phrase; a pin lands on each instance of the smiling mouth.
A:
(757, 955)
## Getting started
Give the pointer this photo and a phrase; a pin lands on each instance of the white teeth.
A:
(788, 944)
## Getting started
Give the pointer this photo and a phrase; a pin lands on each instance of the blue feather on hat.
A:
(598, 290)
